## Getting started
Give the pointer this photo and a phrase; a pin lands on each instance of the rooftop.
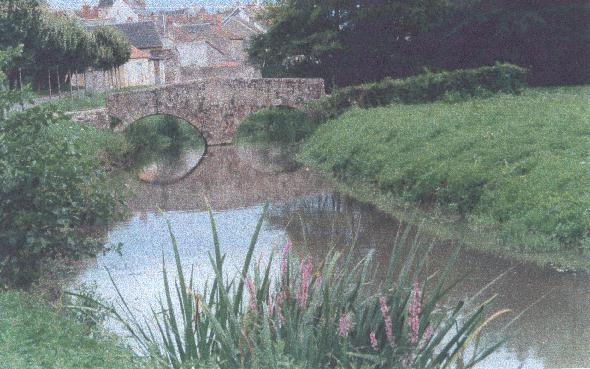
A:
(142, 35)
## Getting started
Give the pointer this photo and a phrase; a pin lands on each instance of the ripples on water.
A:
(553, 331)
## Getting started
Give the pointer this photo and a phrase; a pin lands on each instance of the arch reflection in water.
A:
(166, 148)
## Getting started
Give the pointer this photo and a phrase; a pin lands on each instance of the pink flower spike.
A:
(285, 260)
(318, 280)
(344, 325)
(386, 319)
(252, 292)
(426, 338)
(414, 311)
(303, 292)
(373, 339)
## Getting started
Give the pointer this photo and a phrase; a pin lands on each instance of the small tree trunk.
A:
(70, 79)
(49, 79)
(58, 81)
(20, 79)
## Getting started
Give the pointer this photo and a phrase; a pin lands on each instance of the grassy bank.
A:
(34, 335)
(508, 174)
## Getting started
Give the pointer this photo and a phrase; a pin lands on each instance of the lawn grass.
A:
(86, 100)
(512, 172)
(79, 102)
(35, 336)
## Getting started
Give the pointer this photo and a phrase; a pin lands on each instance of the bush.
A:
(423, 88)
(51, 188)
(278, 125)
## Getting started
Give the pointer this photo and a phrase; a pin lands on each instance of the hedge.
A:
(422, 88)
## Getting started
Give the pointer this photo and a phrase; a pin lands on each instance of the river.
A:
(553, 329)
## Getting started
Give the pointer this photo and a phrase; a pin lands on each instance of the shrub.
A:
(327, 315)
(422, 88)
(51, 188)
(278, 125)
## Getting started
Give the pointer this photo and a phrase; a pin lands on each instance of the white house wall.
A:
(120, 12)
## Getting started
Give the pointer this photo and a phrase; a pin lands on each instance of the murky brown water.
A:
(553, 330)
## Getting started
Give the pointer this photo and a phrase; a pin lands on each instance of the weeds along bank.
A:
(34, 335)
(514, 168)
(507, 172)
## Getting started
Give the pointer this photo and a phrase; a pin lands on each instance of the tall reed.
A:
(335, 314)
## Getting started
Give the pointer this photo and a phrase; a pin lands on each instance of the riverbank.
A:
(505, 175)
(35, 334)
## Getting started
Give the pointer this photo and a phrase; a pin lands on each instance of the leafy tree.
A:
(343, 41)
(56, 42)
(65, 44)
(113, 48)
(19, 25)
(353, 41)
(550, 37)
(50, 189)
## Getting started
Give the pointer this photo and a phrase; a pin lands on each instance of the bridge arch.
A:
(215, 107)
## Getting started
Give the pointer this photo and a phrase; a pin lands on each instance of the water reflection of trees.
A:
(555, 329)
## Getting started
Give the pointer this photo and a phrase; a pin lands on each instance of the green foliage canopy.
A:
(54, 41)
(113, 49)
(356, 41)
(50, 189)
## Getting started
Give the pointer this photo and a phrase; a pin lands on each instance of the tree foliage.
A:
(551, 38)
(50, 188)
(62, 42)
(113, 49)
(343, 41)
(355, 41)
(55, 42)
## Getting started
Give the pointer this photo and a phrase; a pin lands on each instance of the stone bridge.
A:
(216, 107)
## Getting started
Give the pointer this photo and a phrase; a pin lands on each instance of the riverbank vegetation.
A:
(287, 126)
(330, 313)
(510, 167)
(36, 335)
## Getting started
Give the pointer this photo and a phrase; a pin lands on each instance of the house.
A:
(204, 50)
(241, 21)
(144, 37)
(145, 67)
(138, 71)
(121, 11)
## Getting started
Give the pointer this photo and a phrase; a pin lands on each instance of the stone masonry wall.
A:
(216, 107)
(97, 118)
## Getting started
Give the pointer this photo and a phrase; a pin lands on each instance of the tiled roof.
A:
(142, 35)
(132, 3)
(138, 54)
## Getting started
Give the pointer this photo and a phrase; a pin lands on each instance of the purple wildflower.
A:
(303, 292)
(344, 325)
(373, 339)
(318, 280)
(386, 319)
(414, 311)
(285, 260)
(252, 292)
(426, 338)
